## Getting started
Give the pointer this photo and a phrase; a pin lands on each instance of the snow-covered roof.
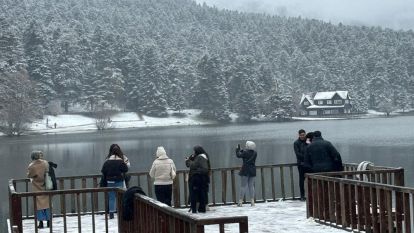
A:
(326, 95)
(308, 97)
(324, 106)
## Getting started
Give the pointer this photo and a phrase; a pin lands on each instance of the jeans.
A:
(112, 197)
(247, 187)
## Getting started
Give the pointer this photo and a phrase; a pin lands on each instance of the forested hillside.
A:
(146, 56)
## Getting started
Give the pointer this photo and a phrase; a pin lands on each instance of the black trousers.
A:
(302, 172)
(164, 193)
(198, 187)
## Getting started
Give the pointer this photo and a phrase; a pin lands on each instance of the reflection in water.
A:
(384, 141)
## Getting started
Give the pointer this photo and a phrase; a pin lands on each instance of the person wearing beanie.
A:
(322, 156)
(247, 171)
(163, 172)
(36, 172)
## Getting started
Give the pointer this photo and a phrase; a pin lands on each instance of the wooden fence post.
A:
(15, 209)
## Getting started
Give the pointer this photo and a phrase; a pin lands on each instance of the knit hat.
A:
(36, 155)
(250, 145)
(161, 152)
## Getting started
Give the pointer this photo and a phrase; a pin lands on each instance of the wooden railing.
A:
(16, 201)
(150, 216)
(273, 182)
(371, 201)
(80, 195)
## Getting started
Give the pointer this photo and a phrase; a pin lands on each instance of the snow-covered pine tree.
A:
(38, 60)
(151, 99)
(211, 93)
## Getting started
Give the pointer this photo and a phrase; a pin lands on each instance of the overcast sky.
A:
(396, 14)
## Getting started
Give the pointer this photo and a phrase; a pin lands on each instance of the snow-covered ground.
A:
(78, 123)
(280, 217)
(73, 123)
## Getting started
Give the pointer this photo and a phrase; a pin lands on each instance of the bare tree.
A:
(102, 118)
(18, 102)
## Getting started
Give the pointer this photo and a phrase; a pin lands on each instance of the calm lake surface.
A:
(384, 141)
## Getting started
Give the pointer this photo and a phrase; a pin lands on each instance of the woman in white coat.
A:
(163, 172)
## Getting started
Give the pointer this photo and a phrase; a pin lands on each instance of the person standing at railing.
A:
(199, 179)
(163, 172)
(113, 171)
(322, 156)
(247, 172)
(36, 172)
(126, 161)
(299, 146)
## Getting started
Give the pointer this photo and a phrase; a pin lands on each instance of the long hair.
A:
(114, 149)
(198, 150)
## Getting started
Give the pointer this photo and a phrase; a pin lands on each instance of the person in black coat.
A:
(199, 179)
(248, 171)
(113, 172)
(299, 146)
(321, 155)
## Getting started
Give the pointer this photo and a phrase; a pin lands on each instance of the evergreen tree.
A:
(211, 92)
(151, 97)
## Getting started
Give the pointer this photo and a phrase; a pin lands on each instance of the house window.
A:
(334, 111)
(337, 101)
(326, 112)
(303, 113)
(306, 103)
(320, 102)
(313, 113)
(329, 102)
(347, 101)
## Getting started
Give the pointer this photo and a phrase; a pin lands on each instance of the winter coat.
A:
(36, 172)
(52, 174)
(249, 162)
(321, 156)
(113, 168)
(300, 149)
(163, 169)
(198, 165)
(128, 202)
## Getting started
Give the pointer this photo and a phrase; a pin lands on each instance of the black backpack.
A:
(52, 175)
(128, 202)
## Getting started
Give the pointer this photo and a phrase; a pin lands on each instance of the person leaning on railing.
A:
(36, 172)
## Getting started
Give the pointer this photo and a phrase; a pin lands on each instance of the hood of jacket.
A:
(161, 154)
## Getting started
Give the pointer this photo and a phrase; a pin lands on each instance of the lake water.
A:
(384, 141)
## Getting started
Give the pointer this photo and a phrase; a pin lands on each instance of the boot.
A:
(48, 223)
(252, 202)
(240, 204)
(111, 215)
(40, 224)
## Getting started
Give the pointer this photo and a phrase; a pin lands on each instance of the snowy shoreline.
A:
(77, 123)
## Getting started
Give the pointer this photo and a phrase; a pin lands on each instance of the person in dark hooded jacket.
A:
(247, 172)
(199, 179)
(321, 155)
(299, 147)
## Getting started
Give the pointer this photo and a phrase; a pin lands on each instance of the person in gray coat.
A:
(248, 171)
